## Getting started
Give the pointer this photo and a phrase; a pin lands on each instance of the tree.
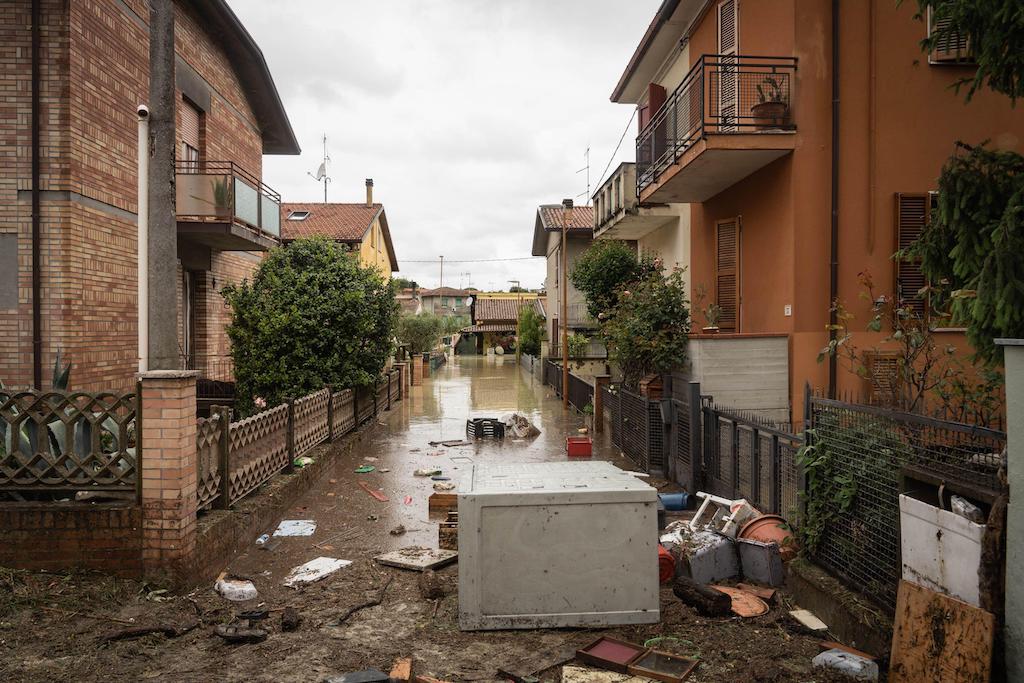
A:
(530, 331)
(602, 270)
(421, 332)
(649, 327)
(972, 251)
(311, 317)
(404, 283)
(994, 29)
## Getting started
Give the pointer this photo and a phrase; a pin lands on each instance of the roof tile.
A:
(333, 221)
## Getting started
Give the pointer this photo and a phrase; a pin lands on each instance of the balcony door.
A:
(728, 48)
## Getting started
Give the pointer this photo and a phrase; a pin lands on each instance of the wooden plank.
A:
(939, 638)
(373, 492)
(442, 502)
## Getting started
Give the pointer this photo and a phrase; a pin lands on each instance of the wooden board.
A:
(939, 638)
(442, 502)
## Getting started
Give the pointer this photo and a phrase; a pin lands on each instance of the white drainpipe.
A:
(143, 237)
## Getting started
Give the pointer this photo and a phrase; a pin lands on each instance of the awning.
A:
(490, 327)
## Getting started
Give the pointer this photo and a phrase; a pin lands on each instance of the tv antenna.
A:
(586, 168)
(321, 173)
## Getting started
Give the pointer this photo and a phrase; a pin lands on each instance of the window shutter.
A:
(189, 124)
(728, 47)
(883, 377)
(911, 219)
(727, 273)
(951, 46)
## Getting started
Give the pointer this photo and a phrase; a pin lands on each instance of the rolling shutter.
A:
(951, 46)
(727, 273)
(189, 133)
(728, 47)
(911, 219)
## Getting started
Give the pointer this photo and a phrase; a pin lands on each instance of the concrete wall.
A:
(746, 372)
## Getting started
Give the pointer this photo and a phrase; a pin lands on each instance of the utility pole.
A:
(563, 292)
(441, 280)
(163, 228)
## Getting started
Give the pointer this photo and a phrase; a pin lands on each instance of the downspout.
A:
(833, 276)
(37, 306)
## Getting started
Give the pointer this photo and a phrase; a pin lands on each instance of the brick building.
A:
(93, 72)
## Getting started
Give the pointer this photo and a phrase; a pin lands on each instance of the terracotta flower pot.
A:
(771, 529)
(769, 115)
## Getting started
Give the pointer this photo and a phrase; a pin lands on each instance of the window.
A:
(883, 377)
(912, 212)
(727, 273)
(951, 47)
(298, 215)
(191, 119)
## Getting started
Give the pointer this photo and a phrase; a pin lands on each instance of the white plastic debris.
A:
(295, 527)
(235, 589)
(966, 509)
(263, 539)
(314, 570)
(856, 667)
(519, 426)
(807, 618)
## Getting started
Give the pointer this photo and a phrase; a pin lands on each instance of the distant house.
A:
(445, 301)
(408, 298)
(361, 227)
(547, 242)
(495, 320)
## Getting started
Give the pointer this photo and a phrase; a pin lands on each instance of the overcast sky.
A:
(467, 114)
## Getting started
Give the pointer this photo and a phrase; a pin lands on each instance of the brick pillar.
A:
(426, 365)
(417, 370)
(168, 473)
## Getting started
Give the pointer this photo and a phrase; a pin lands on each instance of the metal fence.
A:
(581, 392)
(68, 441)
(233, 459)
(553, 376)
(868, 449)
(721, 94)
(638, 427)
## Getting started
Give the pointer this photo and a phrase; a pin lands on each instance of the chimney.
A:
(369, 191)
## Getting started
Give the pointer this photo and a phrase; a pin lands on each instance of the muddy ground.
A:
(55, 627)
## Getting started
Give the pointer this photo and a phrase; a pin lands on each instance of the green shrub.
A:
(312, 316)
(602, 270)
(421, 332)
(530, 331)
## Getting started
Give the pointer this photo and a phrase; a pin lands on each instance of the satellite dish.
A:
(469, 301)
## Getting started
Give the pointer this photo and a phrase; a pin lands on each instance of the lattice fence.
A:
(68, 441)
(365, 403)
(309, 421)
(258, 449)
(343, 412)
(209, 444)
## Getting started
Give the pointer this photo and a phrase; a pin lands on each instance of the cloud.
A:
(468, 114)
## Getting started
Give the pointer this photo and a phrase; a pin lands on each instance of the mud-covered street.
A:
(53, 627)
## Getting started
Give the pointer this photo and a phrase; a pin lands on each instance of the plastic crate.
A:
(485, 428)
(579, 446)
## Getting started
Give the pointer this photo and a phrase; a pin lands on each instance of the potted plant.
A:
(712, 314)
(772, 109)
(221, 197)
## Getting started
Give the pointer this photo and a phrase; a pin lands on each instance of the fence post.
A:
(696, 436)
(223, 501)
(735, 475)
(290, 467)
(600, 381)
(755, 466)
(376, 391)
(775, 501)
(801, 474)
(330, 414)
(389, 391)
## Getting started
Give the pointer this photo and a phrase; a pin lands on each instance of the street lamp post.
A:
(563, 292)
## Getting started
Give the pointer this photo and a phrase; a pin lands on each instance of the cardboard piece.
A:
(417, 558)
(939, 638)
(314, 570)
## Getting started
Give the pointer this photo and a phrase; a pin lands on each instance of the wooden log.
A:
(706, 600)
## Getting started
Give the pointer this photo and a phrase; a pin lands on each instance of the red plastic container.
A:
(579, 446)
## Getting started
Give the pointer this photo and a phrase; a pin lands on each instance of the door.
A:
(727, 273)
(728, 48)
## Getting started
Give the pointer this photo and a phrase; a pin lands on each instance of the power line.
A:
(479, 260)
(610, 160)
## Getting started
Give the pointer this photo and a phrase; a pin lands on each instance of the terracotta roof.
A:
(581, 218)
(444, 291)
(490, 327)
(336, 221)
(502, 309)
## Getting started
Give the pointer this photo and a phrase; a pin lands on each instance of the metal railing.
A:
(721, 94)
(216, 191)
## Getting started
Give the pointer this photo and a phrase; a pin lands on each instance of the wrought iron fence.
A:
(553, 376)
(234, 458)
(868, 448)
(721, 94)
(581, 393)
(68, 441)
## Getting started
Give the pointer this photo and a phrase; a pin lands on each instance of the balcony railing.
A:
(722, 94)
(223, 191)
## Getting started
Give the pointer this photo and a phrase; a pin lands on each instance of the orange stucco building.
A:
(759, 181)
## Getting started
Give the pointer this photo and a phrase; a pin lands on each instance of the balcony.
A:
(617, 213)
(226, 208)
(731, 116)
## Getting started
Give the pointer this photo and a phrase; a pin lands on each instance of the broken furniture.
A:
(485, 428)
(546, 545)
(448, 532)
(726, 515)
(624, 657)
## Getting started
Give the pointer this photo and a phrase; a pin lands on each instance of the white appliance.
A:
(556, 544)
